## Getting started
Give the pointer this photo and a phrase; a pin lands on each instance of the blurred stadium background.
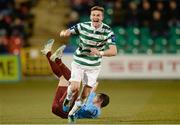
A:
(142, 81)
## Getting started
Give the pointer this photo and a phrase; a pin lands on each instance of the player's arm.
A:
(112, 51)
(65, 33)
(68, 32)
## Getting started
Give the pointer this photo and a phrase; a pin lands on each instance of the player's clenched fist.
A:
(94, 51)
(65, 33)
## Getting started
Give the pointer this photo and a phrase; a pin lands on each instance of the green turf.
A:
(29, 102)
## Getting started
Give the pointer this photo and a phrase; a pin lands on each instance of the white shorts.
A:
(88, 75)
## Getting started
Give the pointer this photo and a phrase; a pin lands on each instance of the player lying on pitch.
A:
(94, 103)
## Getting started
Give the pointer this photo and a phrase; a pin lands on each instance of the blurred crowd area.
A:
(141, 26)
(16, 25)
(159, 15)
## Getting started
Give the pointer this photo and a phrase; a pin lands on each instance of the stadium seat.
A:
(160, 45)
(108, 15)
(133, 31)
(174, 31)
(108, 20)
(119, 30)
(120, 38)
(133, 45)
(146, 44)
(174, 45)
(145, 31)
(133, 41)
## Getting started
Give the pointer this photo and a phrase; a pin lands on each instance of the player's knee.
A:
(54, 109)
(83, 97)
(75, 86)
(76, 89)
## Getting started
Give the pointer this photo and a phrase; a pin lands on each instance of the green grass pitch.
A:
(131, 101)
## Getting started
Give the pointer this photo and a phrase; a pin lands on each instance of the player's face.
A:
(97, 99)
(96, 18)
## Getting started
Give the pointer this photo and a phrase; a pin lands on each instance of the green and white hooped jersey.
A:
(89, 37)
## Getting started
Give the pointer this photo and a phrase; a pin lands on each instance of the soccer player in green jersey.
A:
(94, 36)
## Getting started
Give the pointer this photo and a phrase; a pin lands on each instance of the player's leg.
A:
(72, 89)
(59, 97)
(89, 81)
(76, 77)
(47, 52)
(78, 103)
(54, 67)
(61, 67)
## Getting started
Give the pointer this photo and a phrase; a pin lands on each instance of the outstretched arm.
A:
(65, 33)
(68, 32)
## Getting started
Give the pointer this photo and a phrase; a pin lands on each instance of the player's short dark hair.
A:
(104, 98)
(97, 8)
